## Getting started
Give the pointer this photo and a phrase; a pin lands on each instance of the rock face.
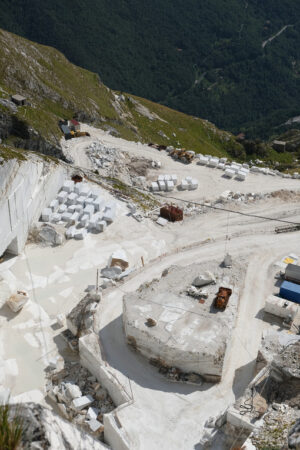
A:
(25, 188)
(294, 436)
(80, 319)
(27, 138)
(43, 429)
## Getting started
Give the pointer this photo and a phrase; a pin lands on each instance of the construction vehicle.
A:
(171, 213)
(222, 298)
(76, 134)
(182, 155)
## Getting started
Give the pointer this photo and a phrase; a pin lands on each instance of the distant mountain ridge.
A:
(233, 62)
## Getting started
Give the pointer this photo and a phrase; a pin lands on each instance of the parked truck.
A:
(222, 298)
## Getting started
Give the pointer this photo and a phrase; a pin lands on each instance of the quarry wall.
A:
(91, 358)
(26, 187)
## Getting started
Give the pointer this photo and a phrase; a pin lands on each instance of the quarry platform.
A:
(184, 333)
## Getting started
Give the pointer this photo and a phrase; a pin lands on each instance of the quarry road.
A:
(58, 276)
(211, 181)
(171, 415)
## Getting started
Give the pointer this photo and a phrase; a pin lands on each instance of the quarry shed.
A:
(74, 125)
(290, 291)
(292, 273)
(18, 99)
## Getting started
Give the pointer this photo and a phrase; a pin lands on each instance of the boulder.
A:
(111, 272)
(204, 280)
(17, 301)
(73, 391)
(119, 259)
(48, 235)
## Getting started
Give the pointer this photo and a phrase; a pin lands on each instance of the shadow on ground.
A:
(242, 377)
(6, 312)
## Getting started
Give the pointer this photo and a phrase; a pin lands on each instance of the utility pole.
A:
(97, 281)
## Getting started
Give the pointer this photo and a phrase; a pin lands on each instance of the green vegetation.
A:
(144, 201)
(11, 427)
(7, 153)
(56, 89)
(202, 58)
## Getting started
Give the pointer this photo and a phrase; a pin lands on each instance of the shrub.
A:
(11, 428)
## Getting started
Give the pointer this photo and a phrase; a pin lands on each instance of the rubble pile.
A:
(197, 293)
(103, 157)
(175, 374)
(275, 427)
(79, 397)
(237, 197)
(112, 162)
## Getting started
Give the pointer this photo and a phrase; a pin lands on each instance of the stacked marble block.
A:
(189, 184)
(240, 171)
(211, 161)
(165, 183)
(80, 207)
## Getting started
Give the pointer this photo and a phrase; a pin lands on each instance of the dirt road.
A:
(211, 181)
(171, 415)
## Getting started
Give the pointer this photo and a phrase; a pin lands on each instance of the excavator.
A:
(182, 155)
(76, 134)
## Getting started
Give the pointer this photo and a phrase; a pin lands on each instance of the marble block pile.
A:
(240, 171)
(211, 161)
(165, 183)
(81, 208)
(189, 184)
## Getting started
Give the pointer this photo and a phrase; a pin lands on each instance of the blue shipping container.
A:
(290, 291)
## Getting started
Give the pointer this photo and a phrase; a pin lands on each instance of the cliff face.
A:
(27, 184)
(27, 138)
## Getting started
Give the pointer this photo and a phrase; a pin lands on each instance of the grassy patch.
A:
(11, 428)
(8, 153)
(144, 201)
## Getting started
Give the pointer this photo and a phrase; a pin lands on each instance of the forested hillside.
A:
(212, 58)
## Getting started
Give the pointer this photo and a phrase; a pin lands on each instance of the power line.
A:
(218, 208)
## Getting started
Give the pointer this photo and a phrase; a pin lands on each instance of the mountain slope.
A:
(233, 62)
(57, 89)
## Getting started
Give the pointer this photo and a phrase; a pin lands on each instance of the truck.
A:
(222, 298)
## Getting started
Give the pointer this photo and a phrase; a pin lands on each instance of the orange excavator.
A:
(222, 298)
(76, 134)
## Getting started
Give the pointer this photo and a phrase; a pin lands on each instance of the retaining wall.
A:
(91, 358)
